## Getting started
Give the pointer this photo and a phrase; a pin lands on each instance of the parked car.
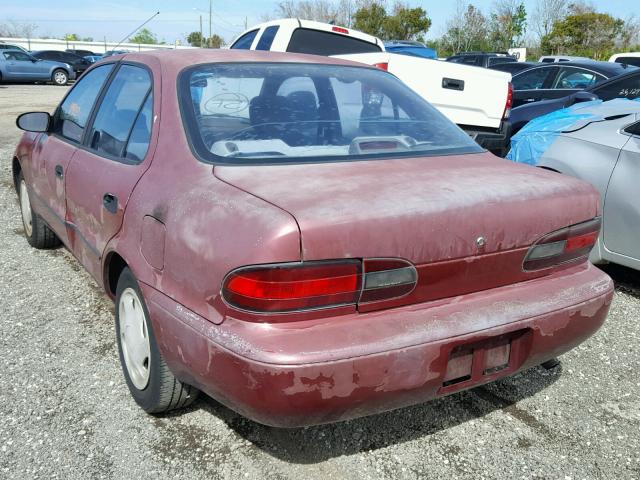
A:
(555, 81)
(78, 63)
(80, 53)
(603, 148)
(630, 58)
(93, 58)
(110, 53)
(626, 85)
(413, 49)
(513, 67)
(247, 259)
(562, 58)
(17, 66)
(479, 101)
(10, 46)
(482, 59)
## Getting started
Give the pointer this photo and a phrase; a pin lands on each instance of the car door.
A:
(20, 65)
(117, 152)
(55, 150)
(622, 203)
(530, 86)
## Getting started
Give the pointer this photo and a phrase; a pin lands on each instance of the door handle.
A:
(59, 171)
(110, 202)
(453, 84)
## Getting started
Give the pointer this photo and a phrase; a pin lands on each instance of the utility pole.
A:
(201, 38)
(210, 35)
(245, 22)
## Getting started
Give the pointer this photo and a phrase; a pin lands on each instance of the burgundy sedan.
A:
(302, 238)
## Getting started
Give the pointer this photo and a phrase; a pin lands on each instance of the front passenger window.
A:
(71, 118)
(121, 110)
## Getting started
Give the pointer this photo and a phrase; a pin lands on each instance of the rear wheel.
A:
(148, 377)
(38, 233)
(60, 77)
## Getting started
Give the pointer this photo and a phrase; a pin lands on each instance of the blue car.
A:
(413, 49)
(17, 66)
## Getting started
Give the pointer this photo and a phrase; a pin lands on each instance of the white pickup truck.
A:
(477, 99)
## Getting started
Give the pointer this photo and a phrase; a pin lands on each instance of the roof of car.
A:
(193, 56)
(606, 68)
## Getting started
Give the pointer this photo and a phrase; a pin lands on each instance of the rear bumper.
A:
(496, 141)
(290, 375)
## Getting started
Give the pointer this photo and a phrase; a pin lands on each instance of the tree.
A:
(17, 30)
(466, 31)
(508, 24)
(144, 36)
(215, 41)
(327, 11)
(546, 14)
(589, 34)
(630, 34)
(195, 39)
(71, 37)
(371, 19)
(404, 23)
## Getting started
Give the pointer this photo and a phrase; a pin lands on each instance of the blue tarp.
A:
(528, 145)
(535, 138)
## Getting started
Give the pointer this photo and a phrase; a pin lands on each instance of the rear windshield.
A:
(317, 42)
(287, 113)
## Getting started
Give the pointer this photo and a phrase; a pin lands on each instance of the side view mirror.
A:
(581, 97)
(34, 122)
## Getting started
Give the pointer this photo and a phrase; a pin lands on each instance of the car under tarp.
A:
(535, 138)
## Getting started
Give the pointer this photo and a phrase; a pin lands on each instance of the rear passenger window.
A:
(628, 87)
(316, 42)
(138, 143)
(71, 118)
(531, 79)
(245, 41)
(267, 38)
(121, 110)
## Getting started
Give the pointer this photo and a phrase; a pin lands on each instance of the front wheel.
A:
(148, 377)
(60, 77)
(38, 233)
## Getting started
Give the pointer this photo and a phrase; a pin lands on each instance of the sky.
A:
(115, 19)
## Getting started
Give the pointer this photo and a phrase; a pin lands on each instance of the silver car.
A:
(606, 153)
(17, 66)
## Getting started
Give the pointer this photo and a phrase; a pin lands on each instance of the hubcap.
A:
(25, 209)
(134, 338)
(60, 77)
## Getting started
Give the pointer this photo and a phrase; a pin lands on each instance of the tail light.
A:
(509, 105)
(566, 245)
(382, 66)
(294, 287)
(340, 30)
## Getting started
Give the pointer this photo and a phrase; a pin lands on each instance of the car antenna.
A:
(136, 29)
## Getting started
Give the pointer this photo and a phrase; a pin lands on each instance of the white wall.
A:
(96, 47)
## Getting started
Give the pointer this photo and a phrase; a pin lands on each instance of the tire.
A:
(150, 382)
(60, 77)
(38, 233)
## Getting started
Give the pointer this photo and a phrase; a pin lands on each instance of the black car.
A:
(626, 85)
(482, 59)
(81, 53)
(556, 80)
(514, 67)
(78, 63)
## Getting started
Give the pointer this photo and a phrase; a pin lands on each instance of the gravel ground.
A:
(65, 411)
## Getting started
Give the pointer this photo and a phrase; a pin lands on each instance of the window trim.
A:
(58, 108)
(188, 125)
(84, 145)
(94, 114)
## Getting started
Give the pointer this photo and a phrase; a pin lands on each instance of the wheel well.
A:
(16, 168)
(114, 265)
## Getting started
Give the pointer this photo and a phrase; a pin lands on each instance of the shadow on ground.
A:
(316, 444)
(626, 279)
